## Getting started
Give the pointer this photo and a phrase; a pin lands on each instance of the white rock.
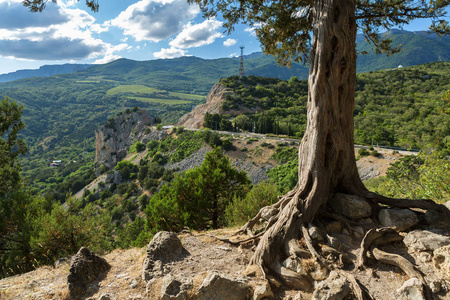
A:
(441, 261)
(412, 289)
(426, 240)
(263, 292)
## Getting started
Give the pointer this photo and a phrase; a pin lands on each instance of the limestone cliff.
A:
(213, 105)
(113, 138)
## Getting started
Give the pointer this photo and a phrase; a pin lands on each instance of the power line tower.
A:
(241, 64)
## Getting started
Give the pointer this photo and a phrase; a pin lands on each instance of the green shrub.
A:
(242, 209)
(143, 201)
(228, 144)
(159, 158)
(363, 152)
(152, 144)
(117, 213)
(159, 126)
(198, 198)
(415, 177)
(375, 153)
(137, 147)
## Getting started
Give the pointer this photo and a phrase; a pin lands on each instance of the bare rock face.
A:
(113, 139)
(218, 286)
(213, 105)
(163, 248)
(86, 266)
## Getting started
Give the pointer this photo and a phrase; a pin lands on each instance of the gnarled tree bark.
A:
(327, 162)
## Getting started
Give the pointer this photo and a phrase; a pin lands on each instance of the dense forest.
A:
(400, 107)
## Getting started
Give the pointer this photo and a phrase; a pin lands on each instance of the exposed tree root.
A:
(359, 291)
(405, 265)
(370, 236)
(407, 203)
(313, 251)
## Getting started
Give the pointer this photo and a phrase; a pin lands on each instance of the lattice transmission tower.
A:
(241, 64)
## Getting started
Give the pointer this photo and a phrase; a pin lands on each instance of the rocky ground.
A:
(183, 272)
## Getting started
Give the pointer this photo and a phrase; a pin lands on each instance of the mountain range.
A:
(197, 74)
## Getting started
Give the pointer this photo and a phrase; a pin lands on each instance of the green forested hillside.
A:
(401, 107)
(397, 107)
(418, 47)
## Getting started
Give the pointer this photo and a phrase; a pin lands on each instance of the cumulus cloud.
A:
(106, 59)
(169, 53)
(155, 20)
(251, 30)
(63, 48)
(197, 35)
(229, 42)
(58, 33)
(14, 16)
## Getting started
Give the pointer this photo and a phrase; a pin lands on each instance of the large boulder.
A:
(163, 248)
(218, 286)
(400, 219)
(85, 267)
(426, 240)
(351, 206)
(434, 217)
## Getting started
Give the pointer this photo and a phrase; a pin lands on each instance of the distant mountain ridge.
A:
(419, 47)
(43, 71)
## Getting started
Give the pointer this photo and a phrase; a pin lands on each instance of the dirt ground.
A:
(205, 254)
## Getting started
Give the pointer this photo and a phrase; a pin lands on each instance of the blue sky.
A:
(68, 32)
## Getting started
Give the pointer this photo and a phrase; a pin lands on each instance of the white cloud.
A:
(251, 30)
(106, 59)
(155, 20)
(229, 42)
(232, 55)
(197, 35)
(57, 33)
(169, 53)
(15, 16)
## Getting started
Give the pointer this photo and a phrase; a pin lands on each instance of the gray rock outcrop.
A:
(426, 240)
(335, 287)
(218, 286)
(113, 139)
(163, 248)
(85, 267)
(400, 219)
(351, 206)
(175, 287)
(213, 105)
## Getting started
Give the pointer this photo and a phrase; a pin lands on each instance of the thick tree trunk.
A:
(326, 154)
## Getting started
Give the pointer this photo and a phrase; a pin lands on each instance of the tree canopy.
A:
(10, 146)
(283, 27)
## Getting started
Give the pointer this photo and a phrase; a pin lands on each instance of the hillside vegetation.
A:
(399, 107)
